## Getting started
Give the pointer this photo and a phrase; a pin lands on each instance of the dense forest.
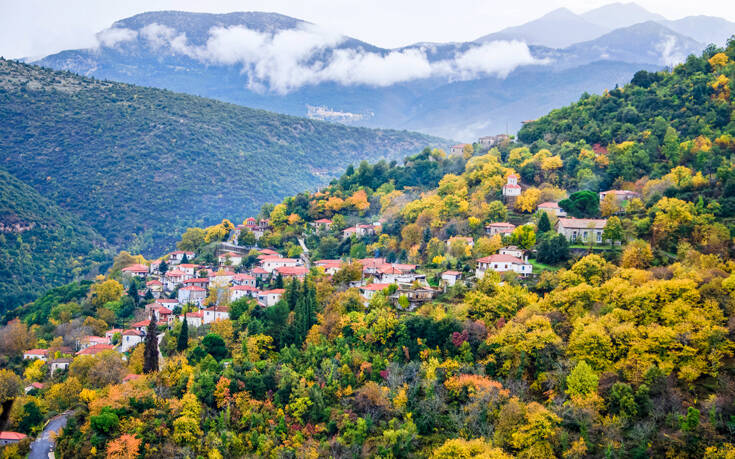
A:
(139, 164)
(624, 348)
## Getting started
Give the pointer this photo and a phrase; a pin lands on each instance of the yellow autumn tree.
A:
(609, 205)
(528, 200)
(124, 447)
(104, 292)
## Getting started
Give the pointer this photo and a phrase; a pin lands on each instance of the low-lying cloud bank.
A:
(308, 55)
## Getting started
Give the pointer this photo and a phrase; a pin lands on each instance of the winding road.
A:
(41, 447)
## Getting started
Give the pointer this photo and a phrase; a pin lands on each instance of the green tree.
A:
(613, 230)
(150, 354)
(182, 342)
(582, 204)
(582, 381)
(544, 224)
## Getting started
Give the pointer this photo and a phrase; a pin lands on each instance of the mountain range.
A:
(455, 90)
(91, 166)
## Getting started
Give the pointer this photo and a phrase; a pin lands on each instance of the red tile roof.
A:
(97, 348)
(137, 268)
(37, 351)
(193, 288)
(12, 436)
(500, 258)
(374, 287)
(275, 291)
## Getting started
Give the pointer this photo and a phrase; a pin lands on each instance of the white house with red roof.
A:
(323, 224)
(241, 291)
(369, 291)
(270, 297)
(32, 354)
(243, 279)
(192, 294)
(8, 437)
(620, 195)
(329, 266)
(450, 277)
(175, 277)
(259, 273)
(512, 189)
(270, 263)
(96, 349)
(155, 286)
(551, 208)
(88, 341)
(109, 334)
(193, 319)
(215, 313)
(502, 263)
(399, 274)
(202, 282)
(502, 228)
(136, 270)
(371, 265)
(130, 338)
(582, 229)
(233, 258)
(292, 272)
(189, 268)
(221, 277)
(360, 230)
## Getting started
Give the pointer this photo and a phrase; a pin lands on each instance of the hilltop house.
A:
(457, 150)
(136, 270)
(192, 294)
(176, 257)
(216, 313)
(240, 291)
(243, 279)
(234, 258)
(511, 189)
(130, 338)
(270, 263)
(621, 195)
(551, 208)
(7, 437)
(502, 263)
(582, 229)
(330, 266)
(323, 224)
(359, 231)
(450, 278)
(270, 297)
(514, 251)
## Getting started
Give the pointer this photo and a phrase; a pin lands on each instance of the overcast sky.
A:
(35, 28)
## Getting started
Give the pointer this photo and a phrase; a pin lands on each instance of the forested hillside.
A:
(621, 347)
(141, 164)
(41, 245)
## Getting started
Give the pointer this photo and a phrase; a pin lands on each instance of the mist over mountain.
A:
(456, 90)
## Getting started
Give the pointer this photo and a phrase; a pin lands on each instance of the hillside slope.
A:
(140, 164)
(41, 245)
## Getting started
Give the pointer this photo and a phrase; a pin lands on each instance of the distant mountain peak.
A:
(616, 15)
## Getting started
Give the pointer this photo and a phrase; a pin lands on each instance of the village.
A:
(180, 289)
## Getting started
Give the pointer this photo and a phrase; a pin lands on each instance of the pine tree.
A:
(182, 343)
(150, 355)
(292, 294)
(544, 224)
(304, 313)
(279, 281)
(148, 295)
(133, 293)
(184, 259)
(163, 267)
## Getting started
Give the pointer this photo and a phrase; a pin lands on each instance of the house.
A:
(88, 341)
(189, 268)
(130, 338)
(7, 437)
(202, 282)
(177, 256)
(192, 294)
(270, 297)
(136, 270)
(493, 140)
(369, 291)
(457, 150)
(216, 313)
(33, 386)
(360, 231)
(193, 319)
(323, 224)
(33, 354)
(243, 279)
(269, 252)
(399, 274)
(240, 291)
(153, 268)
(233, 258)
(270, 263)
(169, 303)
(155, 287)
(174, 278)
(96, 349)
(141, 326)
(451, 277)
(221, 278)
(621, 195)
(502, 228)
(330, 266)
(161, 313)
(415, 296)
(259, 273)
(293, 272)
(502, 263)
(60, 364)
(582, 229)
(551, 208)
(371, 265)
(512, 189)
(514, 251)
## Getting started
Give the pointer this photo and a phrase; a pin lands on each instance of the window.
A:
(599, 237)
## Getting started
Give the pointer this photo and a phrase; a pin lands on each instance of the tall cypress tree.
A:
(182, 343)
(163, 267)
(293, 293)
(133, 292)
(184, 259)
(544, 224)
(150, 354)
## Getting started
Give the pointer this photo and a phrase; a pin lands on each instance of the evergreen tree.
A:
(182, 343)
(279, 281)
(133, 293)
(150, 355)
(305, 313)
(148, 295)
(293, 293)
(184, 259)
(163, 267)
(544, 224)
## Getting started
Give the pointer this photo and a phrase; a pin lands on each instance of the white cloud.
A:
(669, 54)
(287, 60)
(113, 36)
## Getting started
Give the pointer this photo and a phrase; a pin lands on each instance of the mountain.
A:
(647, 42)
(557, 29)
(139, 164)
(617, 15)
(283, 64)
(705, 29)
(41, 245)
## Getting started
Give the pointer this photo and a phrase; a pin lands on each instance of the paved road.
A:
(41, 447)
